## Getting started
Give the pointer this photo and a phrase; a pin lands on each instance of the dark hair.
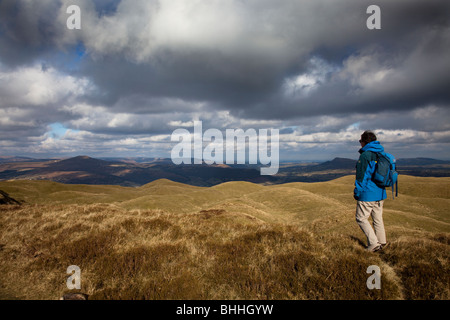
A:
(368, 136)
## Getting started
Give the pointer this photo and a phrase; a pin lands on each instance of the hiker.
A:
(369, 195)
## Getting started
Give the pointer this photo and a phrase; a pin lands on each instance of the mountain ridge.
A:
(126, 172)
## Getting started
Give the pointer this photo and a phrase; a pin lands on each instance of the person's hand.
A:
(356, 194)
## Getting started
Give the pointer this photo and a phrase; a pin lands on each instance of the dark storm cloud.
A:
(27, 30)
(243, 74)
(250, 81)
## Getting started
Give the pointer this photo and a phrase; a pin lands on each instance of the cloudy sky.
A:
(138, 70)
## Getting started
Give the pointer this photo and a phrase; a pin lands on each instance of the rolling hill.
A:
(235, 240)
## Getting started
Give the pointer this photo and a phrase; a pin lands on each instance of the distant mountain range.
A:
(140, 171)
(4, 159)
(126, 172)
(421, 162)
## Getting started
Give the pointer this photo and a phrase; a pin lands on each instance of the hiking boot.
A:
(384, 245)
(378, 248)
(374, 249)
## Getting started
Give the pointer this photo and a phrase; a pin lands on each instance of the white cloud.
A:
(366, 72)
(301, 85)
(140, 29)
(177, 123)
(34, 86)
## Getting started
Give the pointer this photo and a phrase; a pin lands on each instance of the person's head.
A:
(367, 137)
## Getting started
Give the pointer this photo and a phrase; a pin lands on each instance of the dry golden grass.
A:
(233, 241)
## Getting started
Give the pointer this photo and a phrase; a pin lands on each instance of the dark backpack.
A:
(385, 174)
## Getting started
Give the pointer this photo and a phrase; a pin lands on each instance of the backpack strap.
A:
(396, 188)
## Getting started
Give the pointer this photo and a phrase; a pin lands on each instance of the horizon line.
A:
(168, 158)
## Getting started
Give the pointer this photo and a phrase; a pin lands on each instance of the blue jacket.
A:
(365, 188)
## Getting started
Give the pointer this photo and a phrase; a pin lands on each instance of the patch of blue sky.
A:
(75, 57)
(354, 126)
(106, 7)
(68, 60)
(58, 130)
(288, 130)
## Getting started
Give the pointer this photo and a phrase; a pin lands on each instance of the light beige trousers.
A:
(374, 209)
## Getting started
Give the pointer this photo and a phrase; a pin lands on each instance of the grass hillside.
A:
(236, 240)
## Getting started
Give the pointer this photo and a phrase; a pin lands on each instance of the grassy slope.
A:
(166, 240)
